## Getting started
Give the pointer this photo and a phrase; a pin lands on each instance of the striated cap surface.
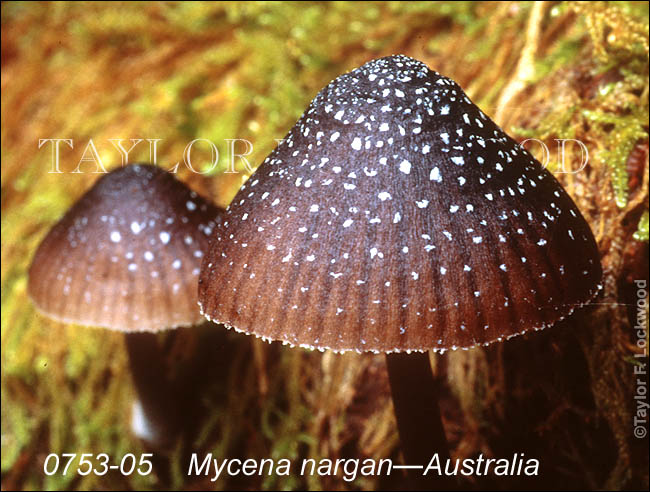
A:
(127, 255)
(396, 216)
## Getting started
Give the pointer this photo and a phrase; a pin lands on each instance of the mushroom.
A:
(397, 218)
(126, 257)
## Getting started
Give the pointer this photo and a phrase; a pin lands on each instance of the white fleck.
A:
(383, 196)
(116, 236)
(370, 172)
(405, 166)
(435, 175)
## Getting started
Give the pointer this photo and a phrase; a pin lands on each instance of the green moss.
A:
(642, 232)
(620, 135)
(615, 114)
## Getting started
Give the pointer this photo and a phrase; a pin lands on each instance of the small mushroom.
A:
(396, 217)
(126, 257)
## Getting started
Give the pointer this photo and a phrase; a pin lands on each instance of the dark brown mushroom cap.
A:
(397, 216)
(126, 256)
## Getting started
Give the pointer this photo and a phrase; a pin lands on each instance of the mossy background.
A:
(179, 71)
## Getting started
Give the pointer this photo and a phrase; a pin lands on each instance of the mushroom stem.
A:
(156, 394)
(415, 398)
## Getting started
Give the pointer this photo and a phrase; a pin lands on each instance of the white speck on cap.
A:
(396, 181)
